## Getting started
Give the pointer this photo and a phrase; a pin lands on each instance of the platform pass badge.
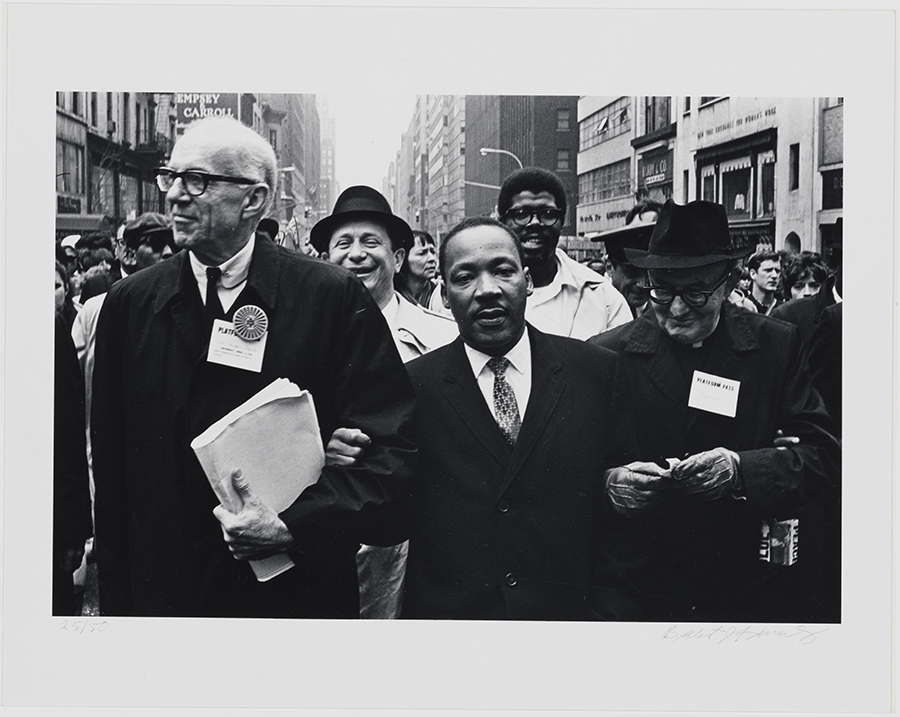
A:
(240, 343)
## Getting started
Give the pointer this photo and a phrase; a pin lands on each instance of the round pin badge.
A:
(250, 323)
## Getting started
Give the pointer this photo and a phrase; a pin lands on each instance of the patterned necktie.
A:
(214, 308)
(505, 405)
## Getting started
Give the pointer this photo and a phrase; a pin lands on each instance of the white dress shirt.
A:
(234, 275)
(518, 373)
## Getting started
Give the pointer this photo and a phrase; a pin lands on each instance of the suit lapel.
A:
(463, 394)
(546, 388)
(647, 338)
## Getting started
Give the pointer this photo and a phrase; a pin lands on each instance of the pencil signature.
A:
(730, 633)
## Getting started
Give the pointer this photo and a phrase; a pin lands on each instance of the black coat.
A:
(700, 561)
(160, 549)
(503, 533)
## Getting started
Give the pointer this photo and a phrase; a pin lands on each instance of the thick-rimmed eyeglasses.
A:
(522, 217)
(195, 183)
(695, 298)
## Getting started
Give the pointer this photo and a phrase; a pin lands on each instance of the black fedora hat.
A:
(688, 236)
(361, 202)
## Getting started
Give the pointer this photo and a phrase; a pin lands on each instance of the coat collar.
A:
(179, 283)
(546, 387)
(646, 335)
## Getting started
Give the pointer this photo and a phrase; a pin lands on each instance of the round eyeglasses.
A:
(695, 298)
(522, 217)
(195, 182)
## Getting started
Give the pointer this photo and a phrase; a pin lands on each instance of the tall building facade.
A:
(440, 175)
(108, 145)
(776, 164)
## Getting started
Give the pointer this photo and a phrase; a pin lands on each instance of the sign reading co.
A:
(655, 168)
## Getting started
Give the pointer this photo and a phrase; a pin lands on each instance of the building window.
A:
(736, 187)
(705, 100)
(684, 189)
(562, 120)
(766, 184)
(607, 182)
(605, 123)
(273, 139)
(687, 104)
(562, 160)
(657, 113)
(69, 168)
(126, 124)
(95, 118)
(61, 99)
(794, 181)
(708, 183)
(76, 103)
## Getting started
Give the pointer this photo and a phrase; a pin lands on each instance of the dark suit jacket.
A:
(510, 533)
(160, 549)
(700, 561)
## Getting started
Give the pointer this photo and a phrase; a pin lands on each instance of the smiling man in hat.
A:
(172, 358)
(715, 508)
(365, 237)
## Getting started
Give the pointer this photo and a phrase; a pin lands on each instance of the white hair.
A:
(247, 152)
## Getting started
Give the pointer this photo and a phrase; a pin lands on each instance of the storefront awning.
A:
(80, 223)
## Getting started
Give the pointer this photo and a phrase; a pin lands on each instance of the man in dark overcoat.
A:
(158, 383)
(714, 513)
(515, 428)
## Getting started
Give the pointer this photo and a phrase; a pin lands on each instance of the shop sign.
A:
(655, 169)
(833, 189)
(197, 105)
(68, 205)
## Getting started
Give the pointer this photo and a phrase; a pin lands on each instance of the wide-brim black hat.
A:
(632, 236)
(688, 236)
(361, 202)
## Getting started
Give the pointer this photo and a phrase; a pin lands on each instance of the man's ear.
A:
(443, 286)
(399, 256)
(529, 284)
(255, 200)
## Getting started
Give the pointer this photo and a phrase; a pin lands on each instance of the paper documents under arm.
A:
(274, 439)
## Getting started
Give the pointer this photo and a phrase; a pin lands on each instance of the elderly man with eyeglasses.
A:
(711, 515)
(569, 299)
(163, 375)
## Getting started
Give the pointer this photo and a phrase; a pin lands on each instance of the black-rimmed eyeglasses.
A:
(195, 183)
(695, 298)
(523, 216)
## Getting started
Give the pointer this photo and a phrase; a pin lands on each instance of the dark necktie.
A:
(214, 308)
(505, 406)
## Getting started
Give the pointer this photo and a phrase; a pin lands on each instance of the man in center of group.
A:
(765, 271)
(568, 299)
(514, 430)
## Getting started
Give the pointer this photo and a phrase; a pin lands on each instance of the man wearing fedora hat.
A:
(625, 276)
(365, 237)
(716, 507)
(164, 373)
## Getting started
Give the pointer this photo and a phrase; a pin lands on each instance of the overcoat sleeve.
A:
(372, 392)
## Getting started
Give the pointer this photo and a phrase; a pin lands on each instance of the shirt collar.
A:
(391, 310)
(519, 356)
(234, 271)
(571, 273)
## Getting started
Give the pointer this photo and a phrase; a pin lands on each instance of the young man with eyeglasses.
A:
(163, 374)
(569, 299)
(712, 493)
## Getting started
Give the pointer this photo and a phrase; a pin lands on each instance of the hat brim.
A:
(646, 260)
(626, 233)
(321, 233)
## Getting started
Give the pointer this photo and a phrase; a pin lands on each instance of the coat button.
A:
(510, 579)
(503, 505)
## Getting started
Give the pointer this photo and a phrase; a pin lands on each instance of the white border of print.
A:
(168, 663)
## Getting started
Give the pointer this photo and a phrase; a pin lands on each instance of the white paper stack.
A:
(273, 438)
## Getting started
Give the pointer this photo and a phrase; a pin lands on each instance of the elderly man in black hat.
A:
(365, 237)
(716, 507)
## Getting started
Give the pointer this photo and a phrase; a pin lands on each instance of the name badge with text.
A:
(229, 349)
(714, 394)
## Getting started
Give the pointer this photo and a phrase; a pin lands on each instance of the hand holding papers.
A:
(273, 439)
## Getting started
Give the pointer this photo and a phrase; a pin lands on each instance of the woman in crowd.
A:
(415, 281)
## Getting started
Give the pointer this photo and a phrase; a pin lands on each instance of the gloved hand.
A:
(636, 487)
(708, 475)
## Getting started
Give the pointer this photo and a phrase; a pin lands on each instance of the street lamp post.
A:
(490, 150)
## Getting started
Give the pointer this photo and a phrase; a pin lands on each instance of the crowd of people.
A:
(508, 434)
